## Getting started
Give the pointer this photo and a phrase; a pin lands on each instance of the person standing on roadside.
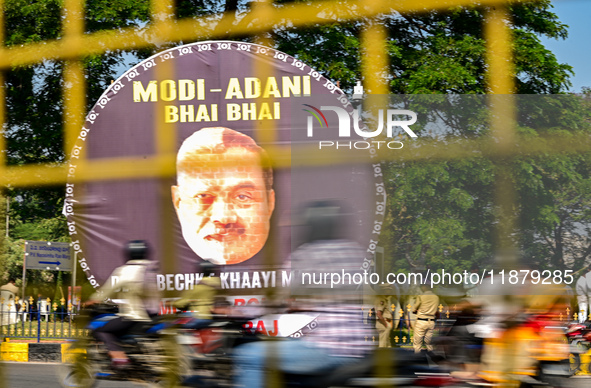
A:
(426, 311)
(583, 290)
(384, 317)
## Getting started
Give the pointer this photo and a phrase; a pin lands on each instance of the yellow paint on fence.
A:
(10, 351)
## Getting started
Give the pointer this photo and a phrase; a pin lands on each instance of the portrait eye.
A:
(203, 199)
(244, 197)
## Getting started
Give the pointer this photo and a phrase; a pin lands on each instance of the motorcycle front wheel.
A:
(176, 366)
(77, 376)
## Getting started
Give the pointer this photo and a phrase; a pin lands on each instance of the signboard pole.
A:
(72, 298)
(24, 273)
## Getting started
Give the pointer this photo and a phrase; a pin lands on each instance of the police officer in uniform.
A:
(426, 311)
(384, 321)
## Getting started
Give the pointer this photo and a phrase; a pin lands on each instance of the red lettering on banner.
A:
(239, 302)
(261, 329)
(275, 326)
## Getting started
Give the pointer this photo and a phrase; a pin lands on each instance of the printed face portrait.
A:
(224, 197)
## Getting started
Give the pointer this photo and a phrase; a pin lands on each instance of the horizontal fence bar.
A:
(164, 165)
(210, 27)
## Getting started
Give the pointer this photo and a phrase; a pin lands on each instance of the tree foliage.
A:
(34, 104)
(440, 212)
(441, 52)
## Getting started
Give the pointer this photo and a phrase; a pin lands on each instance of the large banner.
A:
(228, 200)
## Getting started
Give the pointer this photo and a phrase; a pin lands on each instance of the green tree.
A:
(440, 213)
(34, 93)
(441, 52)
(35, 113)
(555, 188)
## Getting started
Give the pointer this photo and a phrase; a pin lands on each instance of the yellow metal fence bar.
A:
(162, 21)
(499, 57)
(74, 82)
(375, 58)
(76, 44)
(165, 146)
(264, 129)
(500, 77)
(130, 167)
(259, 20)
(2, 96)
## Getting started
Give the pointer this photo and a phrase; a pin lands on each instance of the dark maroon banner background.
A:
(104, 215)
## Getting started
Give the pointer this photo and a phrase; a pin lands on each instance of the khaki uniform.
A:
(382, 305)
(200, 299)
(426, 310)
(10, 287)
(135, 287)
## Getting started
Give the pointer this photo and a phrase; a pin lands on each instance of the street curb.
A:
(35, 352)
(45, 352)
(14, 352)
(61, 353)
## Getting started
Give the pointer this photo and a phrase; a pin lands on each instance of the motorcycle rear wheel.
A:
(576, 349)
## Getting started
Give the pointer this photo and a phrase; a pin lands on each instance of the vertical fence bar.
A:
(374, 67)
(2, 140)
(500, 78)
(265, 129)
(74, 82)
(38, 321)
(501, 84)
(374, 60)
(162, 14)
(2, 94)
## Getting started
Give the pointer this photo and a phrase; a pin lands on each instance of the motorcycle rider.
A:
(200, 300)
(340, 335)
(137, 295)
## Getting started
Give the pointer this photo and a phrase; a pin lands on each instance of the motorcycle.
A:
(385, 367)
(579, 339)
(538, 355)
(151, 348)
(209, 346)
(206, 346)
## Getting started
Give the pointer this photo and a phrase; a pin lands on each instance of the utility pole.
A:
(7, 214)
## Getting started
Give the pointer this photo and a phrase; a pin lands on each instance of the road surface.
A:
(29, 375)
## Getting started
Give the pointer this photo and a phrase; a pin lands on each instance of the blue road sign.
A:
(48, 255)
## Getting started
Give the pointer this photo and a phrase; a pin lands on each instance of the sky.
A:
(576, 49)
